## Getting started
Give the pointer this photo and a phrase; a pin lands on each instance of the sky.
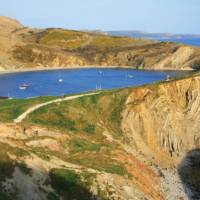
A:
(166, 16)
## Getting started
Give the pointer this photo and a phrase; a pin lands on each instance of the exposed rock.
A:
(23, 48)
(163, 120)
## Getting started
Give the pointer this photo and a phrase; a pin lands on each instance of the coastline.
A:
(35, 69)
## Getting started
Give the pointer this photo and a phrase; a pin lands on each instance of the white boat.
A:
(98, 87)
(24, 86)
(130, 76)
(168, 77)
(60, 80)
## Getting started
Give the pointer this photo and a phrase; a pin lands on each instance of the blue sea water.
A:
(46, 83)
(188, 41)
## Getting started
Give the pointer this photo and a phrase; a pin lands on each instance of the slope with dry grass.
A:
(23, 48)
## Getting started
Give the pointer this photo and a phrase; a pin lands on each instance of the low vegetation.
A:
(80, 145)
(12, 108)
(84, 120)
(87, 115)
(70, 185)
(70, 39)
(7, 167)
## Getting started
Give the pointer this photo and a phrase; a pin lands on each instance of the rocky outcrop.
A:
(155, 56)
(24, 48)
(163, 120)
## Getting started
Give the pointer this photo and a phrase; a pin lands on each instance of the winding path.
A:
(20, 118)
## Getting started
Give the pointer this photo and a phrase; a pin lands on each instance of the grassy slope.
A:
(12, 108)
(62, 48)
(83, 114)
(69, 39)
(45, 46)
(84, 120)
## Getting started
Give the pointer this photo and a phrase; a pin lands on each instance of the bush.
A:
(69, 185)
(89, 129)
(82, 145)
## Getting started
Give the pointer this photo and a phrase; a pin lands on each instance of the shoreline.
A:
(36, 69)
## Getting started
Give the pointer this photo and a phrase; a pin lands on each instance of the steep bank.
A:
(24, 48)
(163, 119)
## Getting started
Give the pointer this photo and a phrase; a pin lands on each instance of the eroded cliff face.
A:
(163, 121)
(23, 48)
(151, 56)
(146, 159)
(155, 56)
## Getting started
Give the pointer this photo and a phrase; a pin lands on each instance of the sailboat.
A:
(60, 79)
(168, 77)
(98, 88)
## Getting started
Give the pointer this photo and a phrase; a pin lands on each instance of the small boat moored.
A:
(100, 72)
(130, 76)
(24, 86)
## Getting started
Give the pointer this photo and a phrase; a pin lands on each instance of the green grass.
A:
(70, 185)
(24, 168)
(7, 167)
(12, 108)
(79, 145)
(70, 39)
(99, 161)
(111, 42)
(83, 115)
(52, 196)
(90, 129)
(116, 169)
(43, 153)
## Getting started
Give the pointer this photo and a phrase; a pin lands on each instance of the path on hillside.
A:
(34, 108)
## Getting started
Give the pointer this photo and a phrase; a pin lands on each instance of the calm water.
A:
(45, 83)
(188, 41)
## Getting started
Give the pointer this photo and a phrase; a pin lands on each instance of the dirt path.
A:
(20, 118)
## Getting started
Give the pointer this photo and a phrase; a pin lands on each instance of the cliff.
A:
(164, 118)
(135, 143)
(23, 48)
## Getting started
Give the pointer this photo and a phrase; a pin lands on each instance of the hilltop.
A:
(9, 23)
(25, 48)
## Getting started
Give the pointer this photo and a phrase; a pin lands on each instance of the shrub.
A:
(69, 185)
(115, 169)
(90, 129)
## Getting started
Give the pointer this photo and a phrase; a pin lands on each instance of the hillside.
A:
(25, 48)
(123, 144)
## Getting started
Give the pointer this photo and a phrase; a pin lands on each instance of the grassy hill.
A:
(24, 48)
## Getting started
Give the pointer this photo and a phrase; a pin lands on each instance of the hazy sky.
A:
(172, 16)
